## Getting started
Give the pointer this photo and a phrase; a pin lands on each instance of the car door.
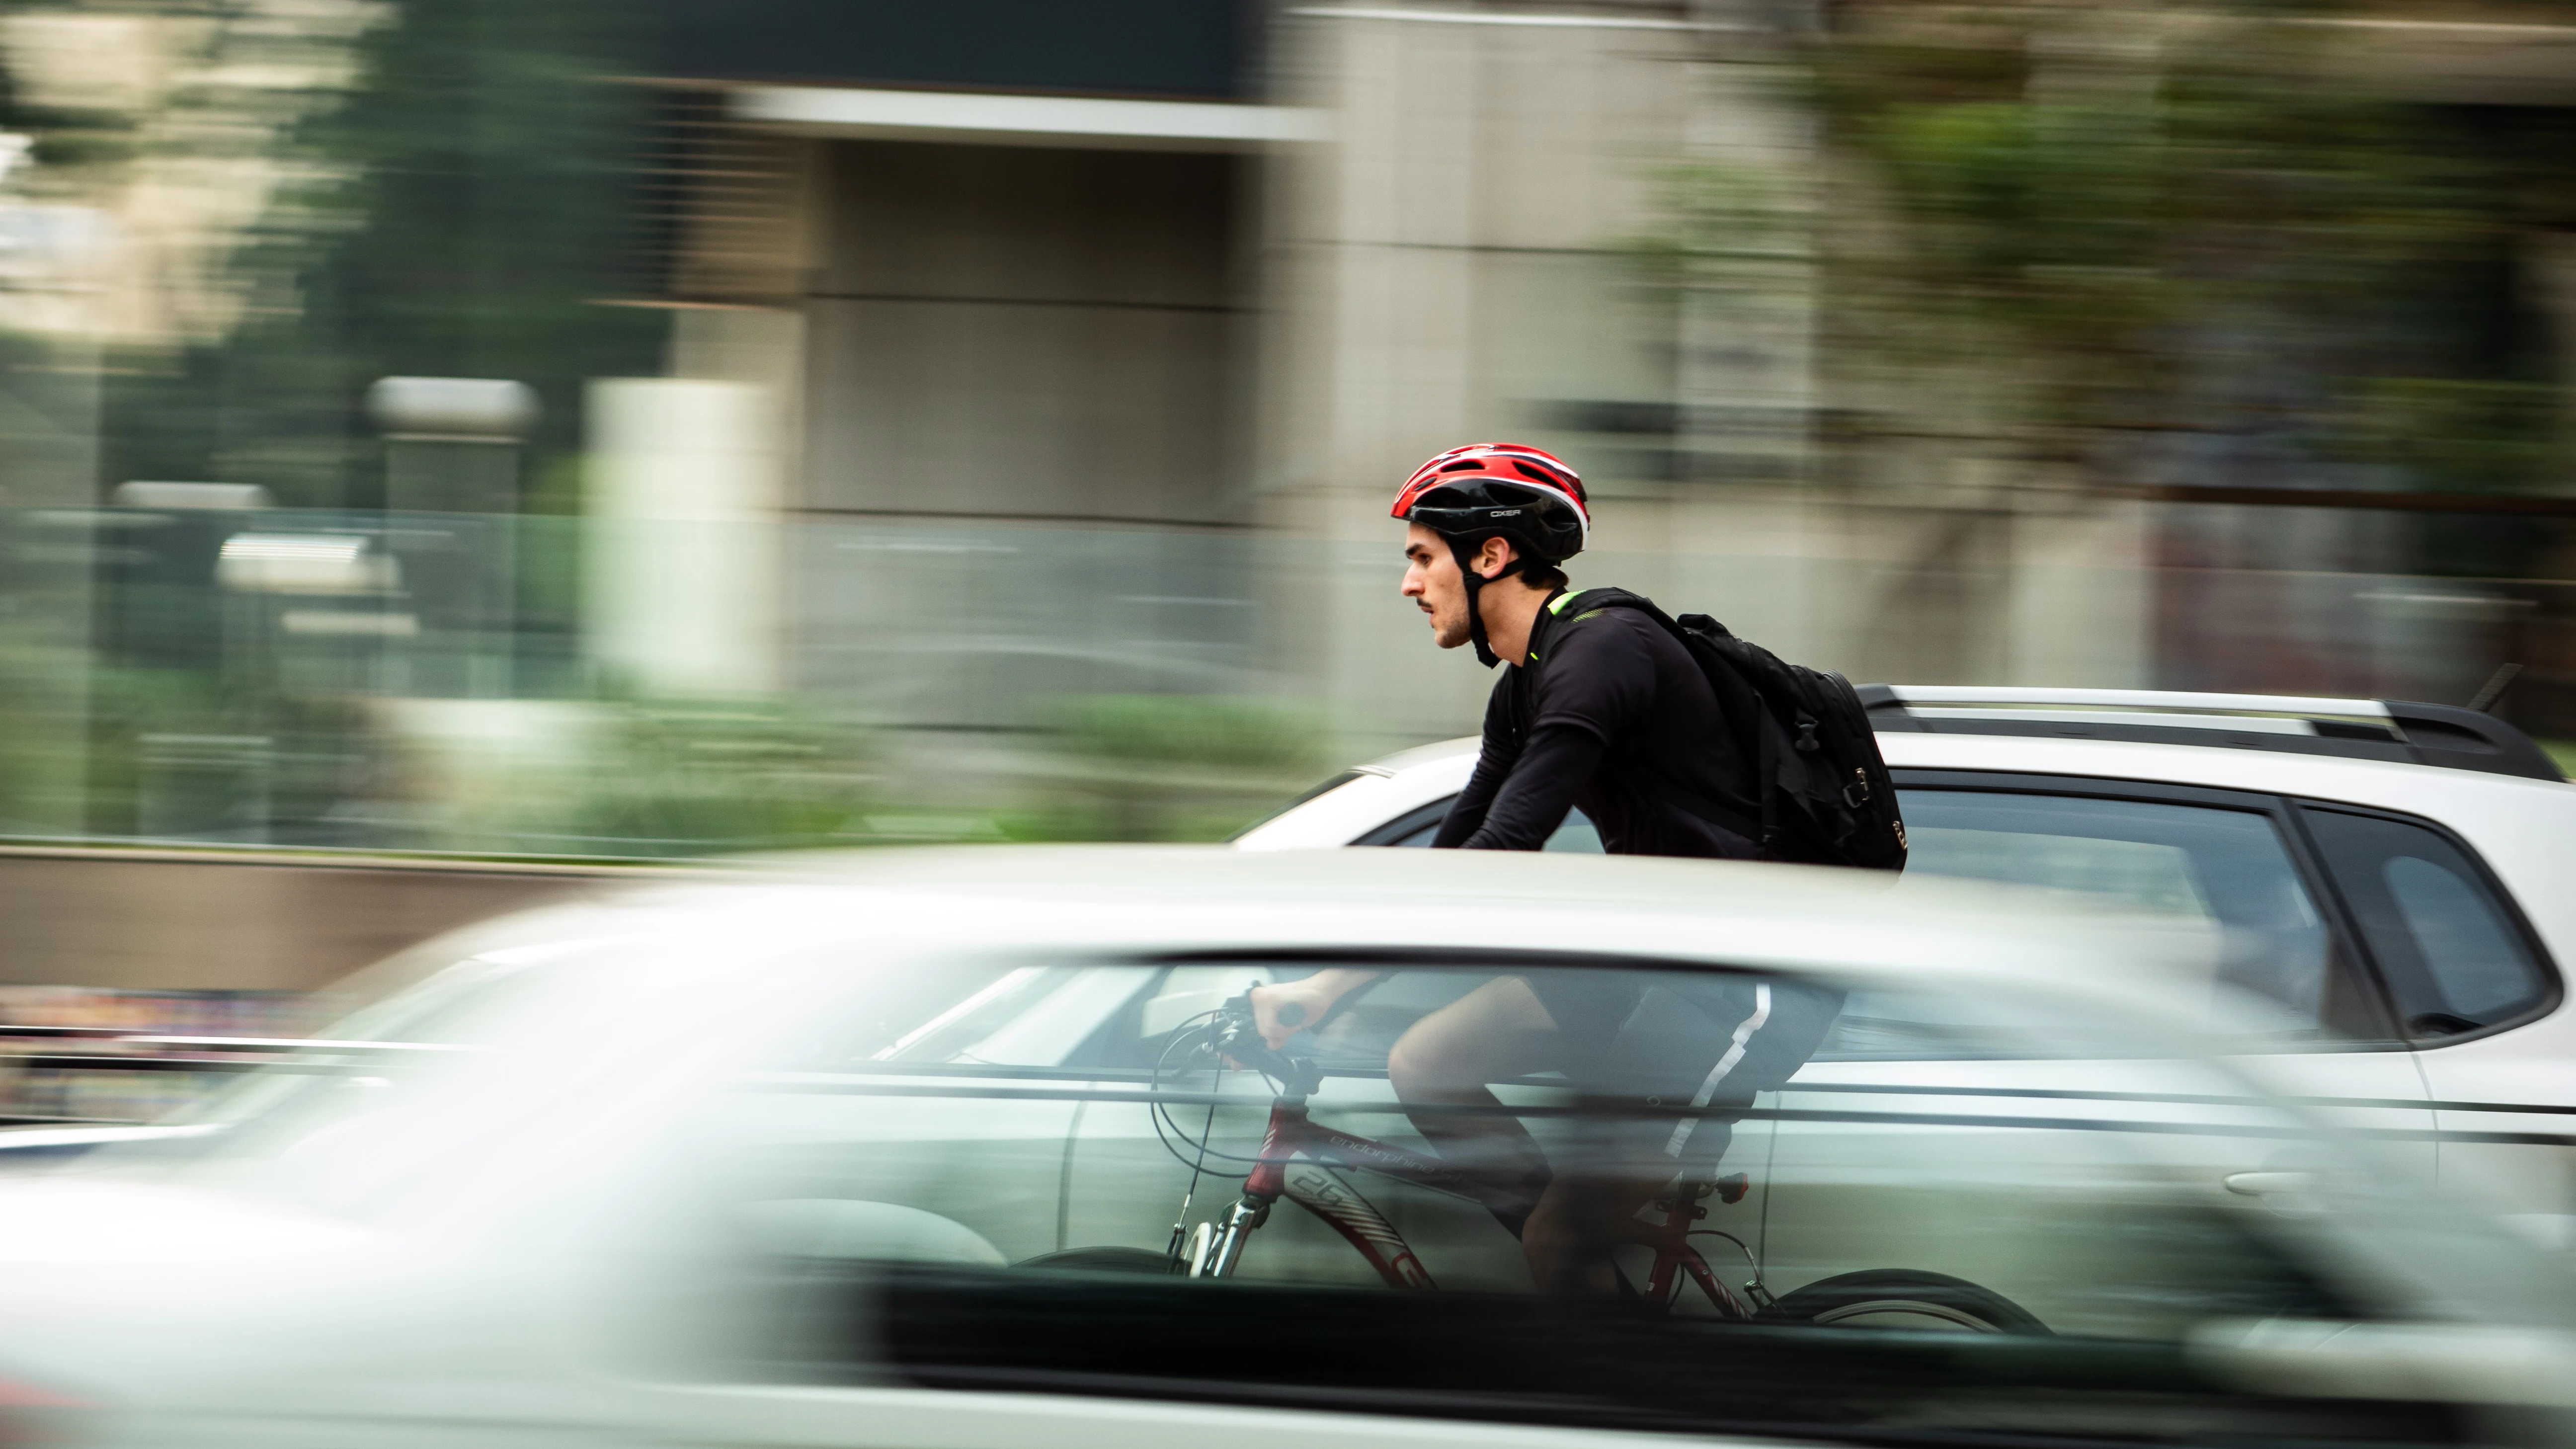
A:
(2472, 988)
(2286, 963)
(2278, 972)
(888, 1337)
(1129, 1175)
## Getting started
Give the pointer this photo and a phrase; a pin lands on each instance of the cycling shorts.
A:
(1637, 1042)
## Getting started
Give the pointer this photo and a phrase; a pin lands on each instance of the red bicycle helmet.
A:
(1513, 490)
(1506, 490)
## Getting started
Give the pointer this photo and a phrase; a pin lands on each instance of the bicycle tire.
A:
(1902, 1298)
(1102, 1260)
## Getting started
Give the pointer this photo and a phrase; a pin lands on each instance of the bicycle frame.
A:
(1302, 1160)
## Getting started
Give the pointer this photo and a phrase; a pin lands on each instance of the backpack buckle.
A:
(1856, 794)
(1806, 744)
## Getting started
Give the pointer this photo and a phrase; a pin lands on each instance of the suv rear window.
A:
(2454, 958)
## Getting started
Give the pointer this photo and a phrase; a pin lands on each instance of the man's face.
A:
(1432, 582)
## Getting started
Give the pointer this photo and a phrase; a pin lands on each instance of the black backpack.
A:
(1826, 796)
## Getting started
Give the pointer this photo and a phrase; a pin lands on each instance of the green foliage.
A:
(467, 209)
(1166, 766)
(1726, 225)
(2564, 753)
(2198, 237)
(2472, 434)
(87, 747)
(40, 741)
(1185, 729)
(668, 778)
(131, 707)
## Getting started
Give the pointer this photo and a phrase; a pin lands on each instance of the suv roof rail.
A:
(2404, 731)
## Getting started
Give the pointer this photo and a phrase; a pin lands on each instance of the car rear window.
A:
(1314, 793)
(1419, 828)
(2453, 956)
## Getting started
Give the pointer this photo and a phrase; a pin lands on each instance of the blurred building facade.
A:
(994, 273)
(944, 406)
(1212, 318)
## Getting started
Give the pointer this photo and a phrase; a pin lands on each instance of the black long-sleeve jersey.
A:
(1606, 706)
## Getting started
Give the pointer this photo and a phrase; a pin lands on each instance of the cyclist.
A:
(1603, 710)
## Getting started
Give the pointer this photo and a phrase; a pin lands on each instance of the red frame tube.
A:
(1292, 1132)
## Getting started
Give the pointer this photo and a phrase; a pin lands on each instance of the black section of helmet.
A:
(1542, 527)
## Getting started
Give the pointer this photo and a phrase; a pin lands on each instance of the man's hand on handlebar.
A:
(1238, 1044)
(1283, 1010)
(1280, 1012)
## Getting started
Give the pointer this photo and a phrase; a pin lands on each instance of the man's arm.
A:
(1494, 759)
(1540, 789)
(1283, 1010)
(1599, 678)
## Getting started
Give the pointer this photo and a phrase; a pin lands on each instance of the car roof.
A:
(2519, 825)
(2164, 737)
(2385, 783)
(2477, 802)
(2397, 731)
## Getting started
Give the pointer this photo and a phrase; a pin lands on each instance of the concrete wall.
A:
(1461, 263)
(1230, 360)
(186, 920)
(1019, 331)
(1453, 267)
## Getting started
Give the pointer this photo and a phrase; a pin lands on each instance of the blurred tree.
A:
(2137, 245)
(464, 212)
(301, 196)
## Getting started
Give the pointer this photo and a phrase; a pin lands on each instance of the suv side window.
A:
(2453, 956)
(1416, 828)
(2228, 872)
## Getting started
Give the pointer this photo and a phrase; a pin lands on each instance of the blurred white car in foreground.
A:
(2393, 877)
(893, 1151)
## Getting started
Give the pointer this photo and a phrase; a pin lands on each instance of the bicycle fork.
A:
(1215, 1247)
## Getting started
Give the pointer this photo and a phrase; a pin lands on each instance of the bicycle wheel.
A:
(1102, 1260)
(1902, 1298)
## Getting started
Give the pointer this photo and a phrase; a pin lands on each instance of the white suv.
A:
(2393, 878)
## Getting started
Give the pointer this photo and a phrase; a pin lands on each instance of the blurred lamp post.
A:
(451, 505)
(451, 443)
(685, 485)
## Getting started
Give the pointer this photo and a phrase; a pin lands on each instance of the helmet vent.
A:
(1531, 471)
(1462, 463)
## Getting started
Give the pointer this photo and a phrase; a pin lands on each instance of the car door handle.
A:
(2263, 1184)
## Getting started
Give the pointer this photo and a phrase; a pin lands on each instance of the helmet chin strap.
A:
(1465, 550)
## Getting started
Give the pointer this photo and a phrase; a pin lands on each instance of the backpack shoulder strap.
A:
(1738, 703)
(1570, 606)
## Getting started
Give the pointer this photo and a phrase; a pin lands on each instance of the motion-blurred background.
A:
(591, 431)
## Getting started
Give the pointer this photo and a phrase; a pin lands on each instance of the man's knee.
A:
(1551, 1232)
(1566, 1253)
(1418, 1066)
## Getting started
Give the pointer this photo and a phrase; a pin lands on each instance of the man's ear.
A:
(1493, 556)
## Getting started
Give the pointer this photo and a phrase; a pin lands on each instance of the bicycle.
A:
(1303, 1161)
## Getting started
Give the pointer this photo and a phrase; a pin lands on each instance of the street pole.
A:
(451, 522)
